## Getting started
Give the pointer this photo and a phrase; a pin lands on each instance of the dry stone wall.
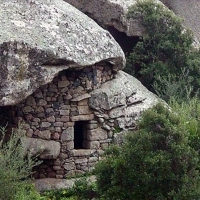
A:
(51, 114)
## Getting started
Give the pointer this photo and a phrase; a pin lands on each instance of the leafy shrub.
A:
(189, 116)
(15, 168)
(82, 190)
(166, 48)
(28, 192)
(155, 163)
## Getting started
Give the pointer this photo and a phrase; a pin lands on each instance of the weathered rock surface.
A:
(110, 13)
(45, 184)
(44, 148)
(123, 98)
(189, 10)
(39, 38)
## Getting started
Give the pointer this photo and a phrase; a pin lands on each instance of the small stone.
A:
(29, 133)
(70, 145)
(83, 102)
(58, 124)
(97, 134)
(64, 112)
(81, 161)
(57, 168)
(27, 109)
(64, 119)
(45, 124)
(82, 117)
(92, 126)
(58, 129)
(101, 120)
(39, 109)
(106, 127)
(68, 134)
(59, 176)
(62, 84)
(55, 136)
(45, 134)
(93, 145)
(42, 102)
(69, 166)
(30, 101)
(51, 119)
(104, 146)
(93, 159)
(38, 94)
(84, 110)
(70, 124)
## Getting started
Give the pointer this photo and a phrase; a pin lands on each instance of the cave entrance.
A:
(80, 130)
(127, 43)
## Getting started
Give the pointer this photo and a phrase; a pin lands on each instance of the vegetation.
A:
(165, 55)
(156, 162)
(15, 168)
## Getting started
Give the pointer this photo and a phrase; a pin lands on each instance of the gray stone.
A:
(112, 97)
(110, 13)
(83, 110)
(45, 134)
(81, 152)
(81, 160)
(27, 109)
(64, 83)
(30, 101)
(37, 42)
(117, 112)
(82, 117)
(64, 112)
(51, 119)
(45, 124)
(69, 166)
(42, 102)
(81, 97)
(93, 145)
(68, 134)
(97, 134)
(45, 149)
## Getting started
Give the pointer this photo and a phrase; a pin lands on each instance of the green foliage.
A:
(155, 163)
(82, 190)
(165, 51)
(65, 194)
(27, 192)
(15, 168)
(85, 190)
(189, 116)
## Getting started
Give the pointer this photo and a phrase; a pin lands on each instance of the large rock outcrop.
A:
(122, 99)
(110, 13)
(39, 38)
(189, 10)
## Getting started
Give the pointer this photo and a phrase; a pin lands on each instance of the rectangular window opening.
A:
(80, 130)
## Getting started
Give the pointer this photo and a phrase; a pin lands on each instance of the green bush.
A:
(164, 52)
(15, 168)
(82, 190)
(155, 163)
(189, 116)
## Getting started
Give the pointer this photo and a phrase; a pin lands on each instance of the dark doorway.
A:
(79, 130)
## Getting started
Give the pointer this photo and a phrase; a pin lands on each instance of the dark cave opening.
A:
(127, 43)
